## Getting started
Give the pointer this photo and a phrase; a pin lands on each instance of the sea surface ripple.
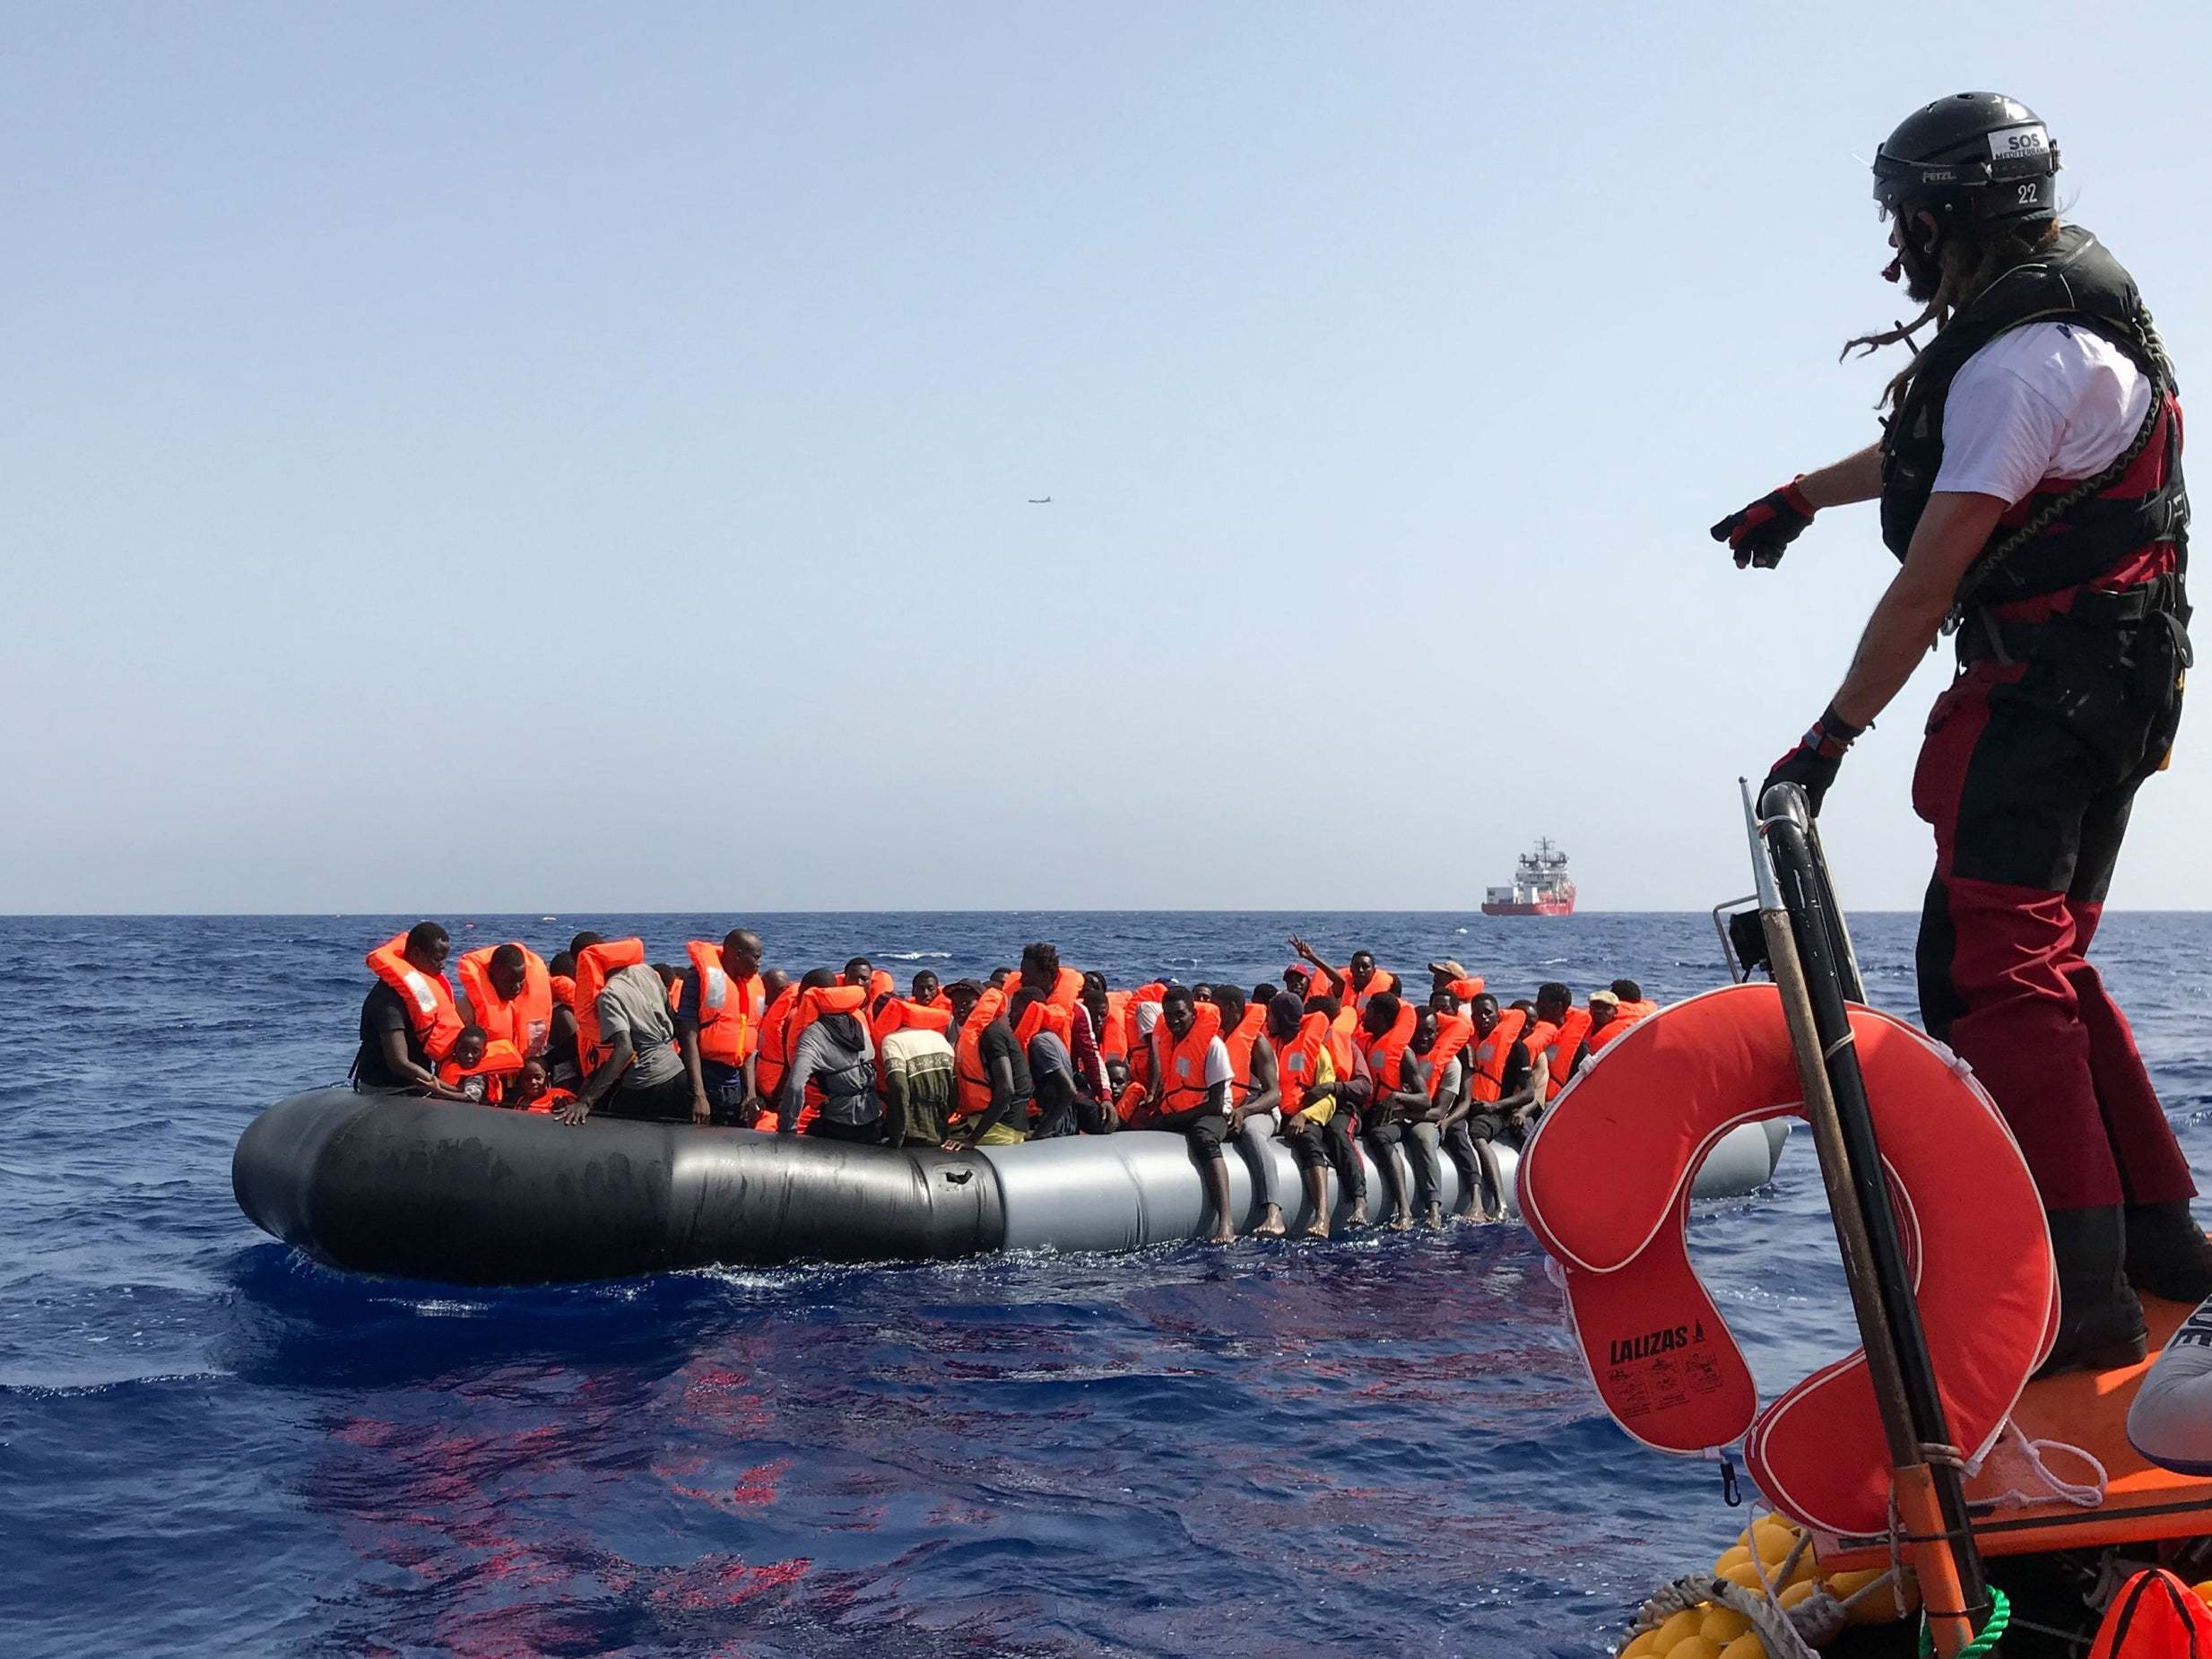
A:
(209, 1445)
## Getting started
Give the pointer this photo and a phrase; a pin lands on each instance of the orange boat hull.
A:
(2089, 1409)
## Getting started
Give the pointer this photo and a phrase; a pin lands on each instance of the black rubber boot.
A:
(2168, 1254)
(2100, 1322)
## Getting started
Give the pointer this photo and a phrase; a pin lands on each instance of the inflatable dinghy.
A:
(471, 1195)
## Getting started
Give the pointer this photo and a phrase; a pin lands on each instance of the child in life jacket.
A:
(459, 1067)
(532, 1090)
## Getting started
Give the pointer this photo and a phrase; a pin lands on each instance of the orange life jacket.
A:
(1133, 1109)
(527, 1021)
(1598, 1036)
(1572, 1027)
(1538, 1035)
(971, 1083)
(1638, 1011)
(773, 1054)
(1182, 1065)
(1113, 1030)
(1487, 1082)
(903, 1014)
(1466, 990)
(564, 990)
(427, 997)
(550, 1101)
(1296, 1062)
(1239, 1042)
(729, 1011)
(2155, 1616)
(1142, 1046)
(501, 1061)
(1342, 1031)
(816, 1000)
(1379, 981)
(813, 1004)
(675, 994)
(594, 964)
(1054, 1013)
(1453, 1033)
(1386, 1054)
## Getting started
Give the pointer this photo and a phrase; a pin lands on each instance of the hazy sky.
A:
(494, 458)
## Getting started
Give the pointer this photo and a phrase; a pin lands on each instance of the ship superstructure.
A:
(1541, 886)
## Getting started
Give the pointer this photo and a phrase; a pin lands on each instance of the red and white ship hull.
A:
(1548, 907)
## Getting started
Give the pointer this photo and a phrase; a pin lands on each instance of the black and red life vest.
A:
(2144, 511)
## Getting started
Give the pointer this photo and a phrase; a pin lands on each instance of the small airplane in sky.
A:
(1039, 500)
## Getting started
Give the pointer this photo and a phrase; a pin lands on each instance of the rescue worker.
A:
(2030, 480)
(409, 1020)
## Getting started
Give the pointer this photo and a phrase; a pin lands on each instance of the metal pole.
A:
(1800, 925)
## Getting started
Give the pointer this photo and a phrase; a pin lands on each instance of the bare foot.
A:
(1222, 1237)
(1358, 1217)
(1433, 1216)
(1269, 1229)
(1401, 1222)
(1319, 1229)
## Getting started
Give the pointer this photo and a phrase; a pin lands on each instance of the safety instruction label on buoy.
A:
(1662, 1369)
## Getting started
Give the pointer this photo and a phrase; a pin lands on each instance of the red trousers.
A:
(2028, 772)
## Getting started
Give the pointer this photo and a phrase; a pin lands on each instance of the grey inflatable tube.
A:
(471, 1195)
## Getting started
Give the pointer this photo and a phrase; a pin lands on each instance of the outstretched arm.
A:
(1334, 985)
(1759, 535)
(1952, 532)
(1857, 477)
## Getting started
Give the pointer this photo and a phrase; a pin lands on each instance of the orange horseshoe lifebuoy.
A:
(1605, 1185)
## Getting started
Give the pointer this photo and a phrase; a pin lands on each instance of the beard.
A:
(1922, 271)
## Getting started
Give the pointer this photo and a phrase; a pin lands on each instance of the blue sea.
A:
(210, 1445)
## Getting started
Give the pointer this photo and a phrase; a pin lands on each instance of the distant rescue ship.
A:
(1541, 886)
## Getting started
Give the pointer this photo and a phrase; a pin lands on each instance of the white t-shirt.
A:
(2046, 400)
(1217, 1067)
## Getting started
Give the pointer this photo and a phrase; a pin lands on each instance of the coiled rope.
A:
(2000, 1615)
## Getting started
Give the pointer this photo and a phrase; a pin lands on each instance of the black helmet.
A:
(1973, 155)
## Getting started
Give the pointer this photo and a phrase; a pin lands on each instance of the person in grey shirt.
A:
(643, 1074)
(836, 1055)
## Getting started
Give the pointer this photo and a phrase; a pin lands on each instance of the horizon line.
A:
(247, 916)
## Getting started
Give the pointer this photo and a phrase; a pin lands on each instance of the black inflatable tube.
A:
(469, 1194)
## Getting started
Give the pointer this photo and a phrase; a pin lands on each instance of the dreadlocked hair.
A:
(1973, 257)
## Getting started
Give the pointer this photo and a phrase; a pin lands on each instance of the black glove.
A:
(1813, 764)
(1758, 535)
